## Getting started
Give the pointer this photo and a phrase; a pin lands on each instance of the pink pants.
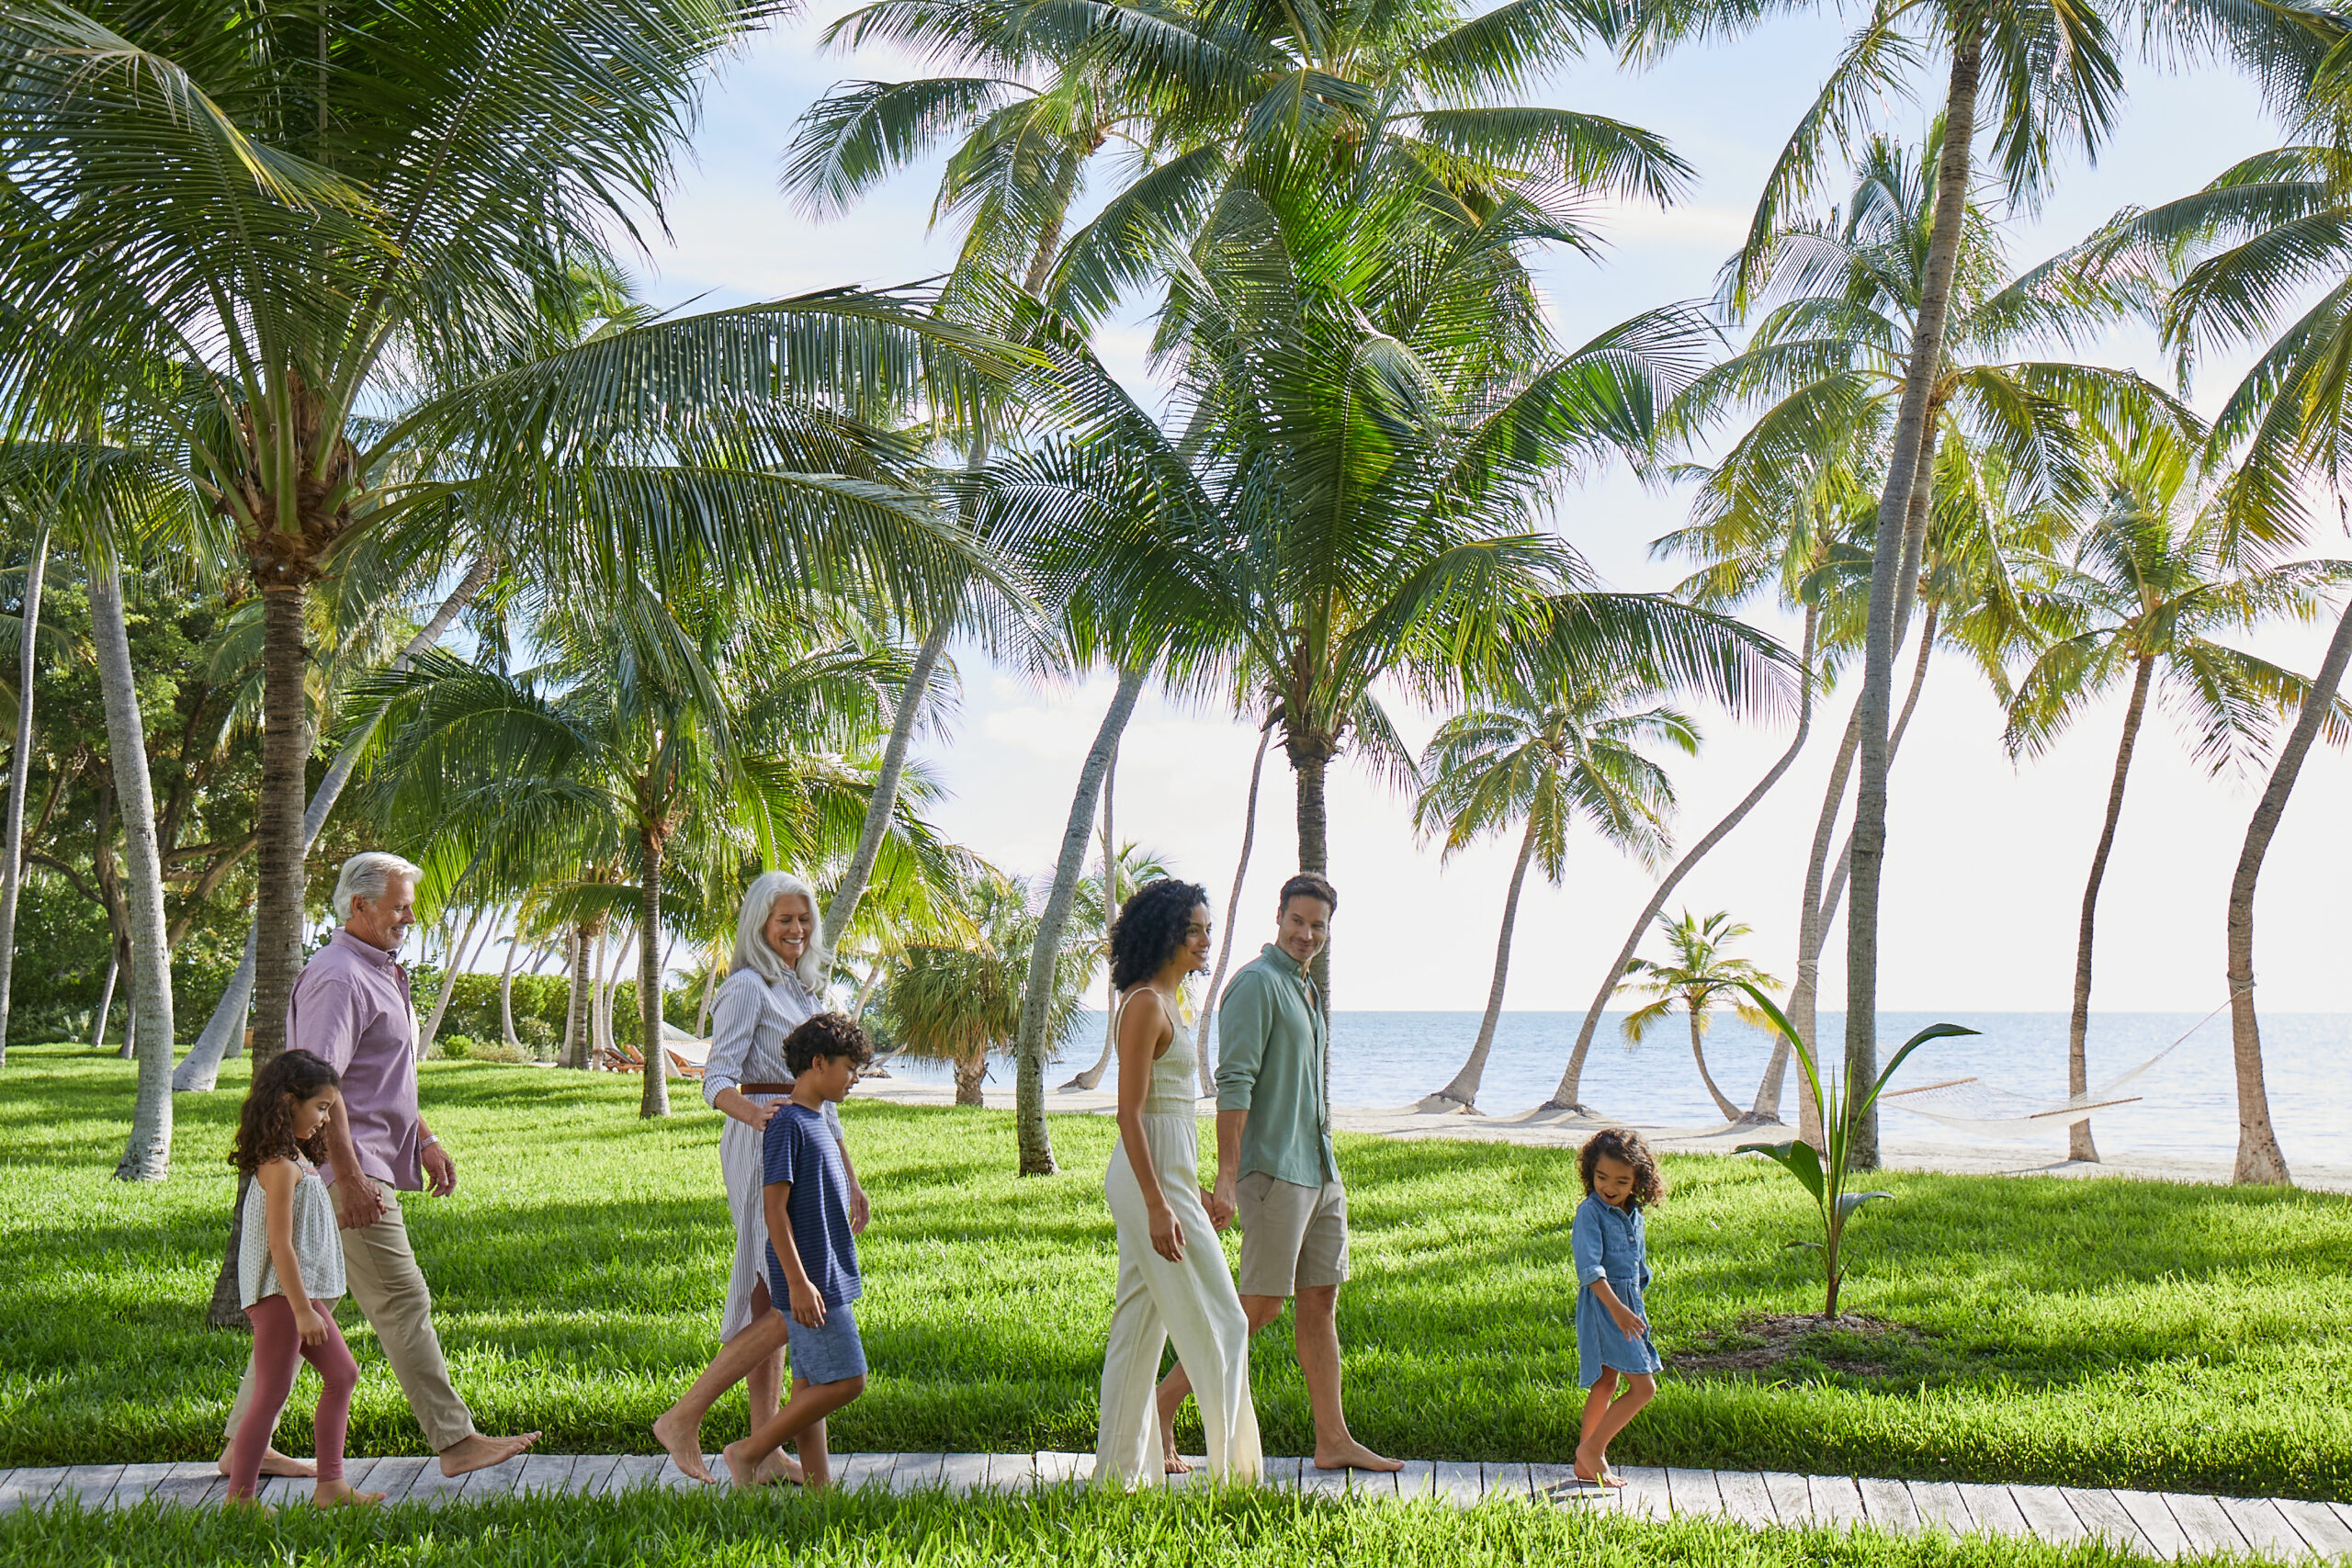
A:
(278, 1354)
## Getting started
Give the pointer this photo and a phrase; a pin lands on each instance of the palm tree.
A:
(1693, 979)
(1549, 758)
(344, 239)
(960, 1001)
(12, 851)
(2058, 86)
(655, 729)
(1827, 368)
(2147, 587)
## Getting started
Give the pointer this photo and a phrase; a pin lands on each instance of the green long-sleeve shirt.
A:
(1270, 1047)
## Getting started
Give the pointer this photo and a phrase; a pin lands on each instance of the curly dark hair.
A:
(265, 1125)
(1151, 927)
(825, 1034)
(1625, 1145)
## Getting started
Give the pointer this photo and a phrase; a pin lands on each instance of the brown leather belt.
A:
(763, 1088)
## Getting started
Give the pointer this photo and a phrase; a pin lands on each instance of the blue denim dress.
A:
(1608, 1244)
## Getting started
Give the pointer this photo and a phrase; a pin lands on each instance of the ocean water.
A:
(2188, 1105)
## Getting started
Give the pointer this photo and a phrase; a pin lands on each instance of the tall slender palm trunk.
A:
(1568, 1094)
(1037, 995)
(1233, 908)
(2259, 1157)
(883, 802)
(1699, 1054)
(1093, 1076)
(201, 1070)
(20, 768)
(506, 992)
(579, 1047)
(277, 814)
(1463, 1090)
(655, 1099)
(148, 1156)
(106, 999)
(453, 962)
(2078, 1023)
(1868, 855)
(1310, 765)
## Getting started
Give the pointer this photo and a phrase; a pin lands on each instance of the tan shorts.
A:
(1292, 1237)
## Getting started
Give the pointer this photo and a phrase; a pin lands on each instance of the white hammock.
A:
(1965, 1102)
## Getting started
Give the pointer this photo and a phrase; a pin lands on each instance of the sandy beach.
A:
(1559, 1130)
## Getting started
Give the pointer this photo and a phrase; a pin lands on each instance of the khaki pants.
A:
(382, 1274)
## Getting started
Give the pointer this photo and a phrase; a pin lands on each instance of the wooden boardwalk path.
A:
(2156, 1524)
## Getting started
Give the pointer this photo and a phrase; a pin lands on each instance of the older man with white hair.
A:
(351, 1008)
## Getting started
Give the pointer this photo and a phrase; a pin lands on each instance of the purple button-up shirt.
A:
(351, 1006)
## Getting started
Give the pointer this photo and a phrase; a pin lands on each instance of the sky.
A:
(1986, 857)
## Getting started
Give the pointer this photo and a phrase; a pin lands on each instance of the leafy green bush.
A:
(453, 1048)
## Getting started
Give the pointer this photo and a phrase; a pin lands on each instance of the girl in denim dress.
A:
(1616, 1360)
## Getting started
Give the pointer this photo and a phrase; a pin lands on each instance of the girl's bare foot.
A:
(276, 1463)
(252, 1507)
(340, 1495)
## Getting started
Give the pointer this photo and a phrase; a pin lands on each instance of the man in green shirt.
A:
(1274, 1164)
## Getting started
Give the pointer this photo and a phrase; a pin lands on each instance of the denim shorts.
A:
(829, 1353)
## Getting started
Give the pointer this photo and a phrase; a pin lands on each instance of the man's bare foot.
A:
(276, 1463)
(1353, 1455)
(339, 1495)
(479, 1452)
(682, 1443)
(781, 1466)
(740, 1467)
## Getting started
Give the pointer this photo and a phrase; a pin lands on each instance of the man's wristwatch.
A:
(430, 1139)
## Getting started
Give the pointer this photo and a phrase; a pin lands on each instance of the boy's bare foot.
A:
(781, 1466)
(740, 1467)
(276, 1463)
(682, 1443)
(479, 1452)
(339, 1495)
(1353, 1455)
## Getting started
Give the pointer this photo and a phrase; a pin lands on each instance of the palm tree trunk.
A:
(1699, 1054)
(1821, 902)
(277, 813)
(148, 1156)
(506, 992)
(970, 1071)
(1233, 907)
(1464, 1089)
(710, 990)
(2259, 1160)
(1037, 994)
(20, 768)
(883, 802)
(1566, 1097)
(1308, 770)
(224, 1032)
(453, 964)
(2078, 1023)
(1869, 856)
(106, 1005)
(1093, 1076)
(655, 1100)
(579, 1030)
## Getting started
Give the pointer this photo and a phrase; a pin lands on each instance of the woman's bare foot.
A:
(1173, 1461)
(340, 1495)
(276, 1463)
(479, 1452)
(1349, 1454)
(682, 1443)
(781, 1466)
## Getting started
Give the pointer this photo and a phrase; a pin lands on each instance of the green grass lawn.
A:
(2091, 1332)
(661, 1530)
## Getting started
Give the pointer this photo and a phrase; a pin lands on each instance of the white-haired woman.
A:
(770, 989)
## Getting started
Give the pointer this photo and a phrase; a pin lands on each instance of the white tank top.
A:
(318, 1245)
